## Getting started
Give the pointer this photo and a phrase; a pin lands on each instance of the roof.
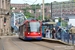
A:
(51, 23)
(48, 23)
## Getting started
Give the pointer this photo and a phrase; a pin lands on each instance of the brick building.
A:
(38, 10)
(48, 10)
(30, 11)
(19, 11)
(48, 6)
(20, 6)
(5, 17)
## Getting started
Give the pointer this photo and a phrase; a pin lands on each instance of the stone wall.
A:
(5, 27)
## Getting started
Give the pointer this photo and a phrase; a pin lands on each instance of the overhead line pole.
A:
(43, 10)
(61, 15)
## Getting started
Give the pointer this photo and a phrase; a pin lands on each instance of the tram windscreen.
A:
(33, 26)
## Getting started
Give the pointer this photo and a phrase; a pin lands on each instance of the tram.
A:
(30, 29)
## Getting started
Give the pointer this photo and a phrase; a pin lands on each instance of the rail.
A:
(17, 45)
(2, 45)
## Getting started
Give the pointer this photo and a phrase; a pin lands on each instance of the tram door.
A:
(21, 31)
(24, 30)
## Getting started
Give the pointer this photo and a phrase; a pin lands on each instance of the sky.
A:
(32, 1)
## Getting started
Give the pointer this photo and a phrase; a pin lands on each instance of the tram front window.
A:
(33, 26)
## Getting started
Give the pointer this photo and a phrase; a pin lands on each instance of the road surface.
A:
(14, 43)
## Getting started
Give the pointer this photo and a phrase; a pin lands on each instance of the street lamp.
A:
(40, 11)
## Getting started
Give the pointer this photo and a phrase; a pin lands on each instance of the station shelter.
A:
(45, 25)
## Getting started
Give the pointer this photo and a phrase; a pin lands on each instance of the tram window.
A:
(24, 27)
(19, 28)
(33, 26)
(28, 27)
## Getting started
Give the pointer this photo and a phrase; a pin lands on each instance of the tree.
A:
(59, 19)
(28, 15)
(33, 5)
(33, 8)
(40, 17)
(32, 16)
(11, 13)
(37, 5)
(47, 3)
(46, 18)
(25, 9)
(11, 8)
(45, 9)
(50, 17)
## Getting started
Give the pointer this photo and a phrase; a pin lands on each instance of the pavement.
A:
(59, 41)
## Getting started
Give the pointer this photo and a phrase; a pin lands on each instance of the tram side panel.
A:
(21, 31)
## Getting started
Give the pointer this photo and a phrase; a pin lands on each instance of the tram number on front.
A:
(33, 37)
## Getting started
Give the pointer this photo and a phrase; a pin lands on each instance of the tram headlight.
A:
(28, 33)
(38, 33)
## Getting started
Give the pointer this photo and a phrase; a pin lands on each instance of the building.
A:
(38, 10)
(20, 6)
(30, 11)
(17, 11)
(48, 11)
(48, 6)
(48, 15)
(5, 17)
(64, 9)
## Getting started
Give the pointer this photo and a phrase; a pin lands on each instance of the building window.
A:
(4, 20)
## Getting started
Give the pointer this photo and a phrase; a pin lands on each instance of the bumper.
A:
(30, 38)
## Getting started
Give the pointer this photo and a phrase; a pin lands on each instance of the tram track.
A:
(2, 44)
(43, 45)
(59, 44)
(16, 45)
(24, 41)
(36, 44)
(52, 46)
